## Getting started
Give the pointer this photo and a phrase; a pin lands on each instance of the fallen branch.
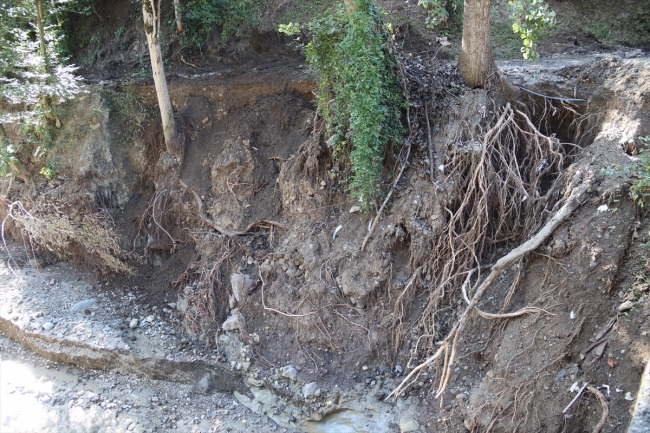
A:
(217, 227)
(383, 205)
(449, 345)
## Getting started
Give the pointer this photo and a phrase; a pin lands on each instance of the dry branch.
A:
(449, 345)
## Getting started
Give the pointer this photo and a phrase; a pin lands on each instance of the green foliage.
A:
(235, 18)
(48, 172)
(529, 18)
(359, 94)
(442, 11)
(126, 110)
(640, 189)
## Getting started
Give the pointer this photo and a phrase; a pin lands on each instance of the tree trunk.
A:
(476, 61)
(178, 15)
(151, 17)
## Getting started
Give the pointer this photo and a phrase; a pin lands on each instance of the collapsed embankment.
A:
(311, 308)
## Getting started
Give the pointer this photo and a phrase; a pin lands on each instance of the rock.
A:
(310, 390)
(80, 306)
(204, 385)
(36, 263)
(172, 305)
(47, 326)
(133, 324)
(150, 318)
(627, 305)
(234, 322)
(290, 372)
(355, 209)
(407, 424)
(241, 285)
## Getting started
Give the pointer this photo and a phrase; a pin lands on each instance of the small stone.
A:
(628, 396)
(52, 282)
(364, 368)
(126, 304)
(133, 324)
(310, 390)
(150, 318)
(627, 305)
(59, 335)
(204, 385)
(47, 326)
(290, 372)
(355, 209)
(407, 424)
(36, 263)
(234, 322)
(172, 305)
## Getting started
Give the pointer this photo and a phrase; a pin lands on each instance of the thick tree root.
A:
(448, 346)
(217, 227)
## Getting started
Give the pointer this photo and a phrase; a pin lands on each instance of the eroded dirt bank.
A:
(318, 332)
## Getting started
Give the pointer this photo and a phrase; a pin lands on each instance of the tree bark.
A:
(151, 17)
(178, 15)
(476, 61)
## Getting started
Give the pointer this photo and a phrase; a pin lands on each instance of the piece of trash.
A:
(541, 166)
(619, 390)
(441, 167)
(560, 376)
(336, 231)
(443, 41)
(572, 315)
(575, 387)
(611, 362)
(603, 208)
(628, 396)
(605, 386)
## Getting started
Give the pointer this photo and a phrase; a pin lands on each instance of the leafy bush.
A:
(640, 189)
(359, 93)
(442, 11)
(236, 18)
(529, 18)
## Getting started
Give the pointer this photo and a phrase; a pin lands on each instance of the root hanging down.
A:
(449, 345)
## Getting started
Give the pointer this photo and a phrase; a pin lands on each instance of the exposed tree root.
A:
(449, 345)
(217, 227)
(601, 399)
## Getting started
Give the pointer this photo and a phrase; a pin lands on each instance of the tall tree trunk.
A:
(151, 17)
(46, 102)
(476, 61)
(178, 15)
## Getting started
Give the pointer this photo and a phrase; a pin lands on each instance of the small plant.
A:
(119, 32)
(529, 18)
(640, 189)
(48, 172)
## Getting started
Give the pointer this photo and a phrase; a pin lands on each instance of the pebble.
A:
(310, 390)
(133, 324)
(150, 318)
(48, 326)
(627, 305)
(355, 209)
(290, 372)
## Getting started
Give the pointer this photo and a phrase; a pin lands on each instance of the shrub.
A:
(358, 93)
